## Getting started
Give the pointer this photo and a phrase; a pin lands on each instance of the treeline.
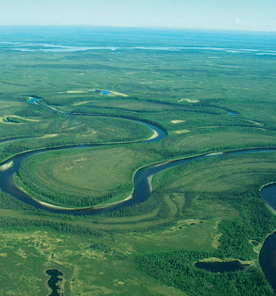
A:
(19, 223)
(28, 112)
(86, 111)
(206, 106)
(9, 202)
(255, 222)
(184, 107)
(10, 150)
(203, 110)
(177, 269)
(36, 111)
(171, 152)
(36, 218)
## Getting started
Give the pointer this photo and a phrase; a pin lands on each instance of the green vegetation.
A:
(176, 269)
(202, 209)
(81, 177)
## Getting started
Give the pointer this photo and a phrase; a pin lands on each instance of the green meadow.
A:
(207, 101)
(82, 177)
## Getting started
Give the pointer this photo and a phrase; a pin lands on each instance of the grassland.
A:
(222, 174)
(78, 178)
(211, 207)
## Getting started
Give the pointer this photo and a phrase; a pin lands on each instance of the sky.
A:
(244, 15)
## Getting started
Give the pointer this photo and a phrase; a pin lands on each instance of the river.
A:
(267, 256)
(142, 190)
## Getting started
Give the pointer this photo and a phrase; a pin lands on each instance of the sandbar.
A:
(184, 131)
(177, 121)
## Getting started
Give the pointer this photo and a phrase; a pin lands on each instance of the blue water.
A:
(34, 47)
(105, 92)
(55, 39)
(33, 100)
(54, 280)
(268, 194)
(220, 266)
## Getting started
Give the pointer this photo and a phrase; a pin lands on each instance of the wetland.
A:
(185, 127)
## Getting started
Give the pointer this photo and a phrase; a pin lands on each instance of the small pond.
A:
(54, 280)
(105, 92)
(221, 266)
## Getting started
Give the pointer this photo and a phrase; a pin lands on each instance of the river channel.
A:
(142, 190)
(267, 256)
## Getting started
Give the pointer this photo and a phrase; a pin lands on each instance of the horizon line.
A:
(139, 28)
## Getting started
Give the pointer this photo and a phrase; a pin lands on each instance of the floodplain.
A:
(209, 91)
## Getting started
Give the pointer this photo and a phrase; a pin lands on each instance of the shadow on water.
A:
(53, 282)
(221, 267)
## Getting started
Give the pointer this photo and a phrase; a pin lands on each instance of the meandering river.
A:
(142, 189)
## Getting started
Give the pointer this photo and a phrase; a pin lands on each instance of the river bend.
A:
(142, 189)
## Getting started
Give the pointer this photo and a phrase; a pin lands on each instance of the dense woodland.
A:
(177, 269)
